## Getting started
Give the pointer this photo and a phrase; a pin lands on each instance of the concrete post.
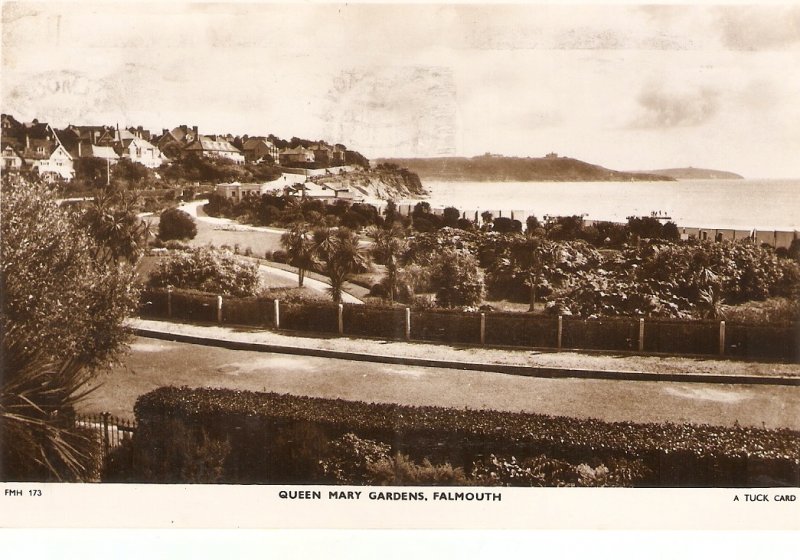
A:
(169, 301)
(722, 338)
(341, 319)
(483, 328)
(641, 335)
(560, 331)
(408, 323)
(219, 309)
(277, 314)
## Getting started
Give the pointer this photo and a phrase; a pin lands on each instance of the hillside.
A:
(383, 182)
(499, 168)
(695, 173)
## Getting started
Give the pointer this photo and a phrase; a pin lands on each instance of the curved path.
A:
(193, 208)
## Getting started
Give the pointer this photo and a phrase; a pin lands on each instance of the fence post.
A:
(483, 328)
(408, 323)
(341, 319)
(560, 331)
(722, 338)
(104, 420)
(169, 301)
(641, 334)
(219, 309)
(277, 314)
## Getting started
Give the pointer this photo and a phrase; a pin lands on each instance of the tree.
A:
(92, 171)
(390, 249)
(176, 224)
(456, 279)
(62, 319)
(300, 250)
(341, 255)
(111, 219)
(450, 216)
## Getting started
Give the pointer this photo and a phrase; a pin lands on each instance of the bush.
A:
(676, 455)
(207, 270)
(176, 224)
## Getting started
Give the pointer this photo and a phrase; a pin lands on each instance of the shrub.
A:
(457, 280)
(176, 224)
(207, 270)
(677, 455)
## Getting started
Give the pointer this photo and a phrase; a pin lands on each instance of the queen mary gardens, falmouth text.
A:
(392, 496)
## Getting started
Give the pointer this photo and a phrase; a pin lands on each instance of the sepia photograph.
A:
(378, 253)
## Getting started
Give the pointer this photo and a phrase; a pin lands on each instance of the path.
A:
(154, 363)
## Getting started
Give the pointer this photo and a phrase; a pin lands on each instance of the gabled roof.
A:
(252, 143)
(87, 149)
(207, 145)
(295, 151)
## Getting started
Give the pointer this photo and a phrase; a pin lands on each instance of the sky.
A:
(629, 87)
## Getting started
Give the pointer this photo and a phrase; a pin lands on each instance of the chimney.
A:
(27, 141)
(194, 129)
(164, 131)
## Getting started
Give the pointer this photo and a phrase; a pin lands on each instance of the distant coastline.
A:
(684, 173)
(493, 168)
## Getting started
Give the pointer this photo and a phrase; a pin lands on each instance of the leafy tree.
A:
(506, 225)
(93, 172)
(126, 172)
(300, 250)
(207, 270)
(176, 224)
(451, 216)
(62, 318)
(536, 265)
(111, 219)
(457, 279)
(390, 248)
(339, 251)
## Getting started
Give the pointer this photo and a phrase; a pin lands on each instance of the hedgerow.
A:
(676, 454)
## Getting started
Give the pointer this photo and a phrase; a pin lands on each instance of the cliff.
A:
(383, 182)
(500, 168)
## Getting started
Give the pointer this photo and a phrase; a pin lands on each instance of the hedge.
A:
(662, 336)
(279, 438)
(383, 322)
(446, 326)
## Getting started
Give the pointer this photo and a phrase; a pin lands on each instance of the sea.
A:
(744, 204)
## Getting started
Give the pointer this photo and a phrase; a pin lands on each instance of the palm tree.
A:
(300, 249)
(338, 249)
(389, 248)
(538, 258)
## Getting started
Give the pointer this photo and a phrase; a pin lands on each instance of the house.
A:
(9, 125)
(141, 151)
(141, 132)
(71, 135)
(258, 148)
(85, 149)
(289, 156)
(39, 147)
(11, 159)
(214, 147)
(57, 165)
(322, 192)
(172, 142)
(237, 191)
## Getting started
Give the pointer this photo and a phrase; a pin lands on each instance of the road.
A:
(153, 363)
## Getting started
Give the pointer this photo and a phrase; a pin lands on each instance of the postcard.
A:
(419, 266)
